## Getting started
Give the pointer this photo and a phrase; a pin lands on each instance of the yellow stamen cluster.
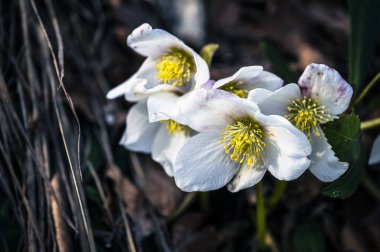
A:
(174, 127)
(243, 141)
(175, 67)
(235, 88)
(307, 115)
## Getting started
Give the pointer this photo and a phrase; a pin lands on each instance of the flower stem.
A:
(370, 124)
(368, 88)
(278, 192)
(260, 217)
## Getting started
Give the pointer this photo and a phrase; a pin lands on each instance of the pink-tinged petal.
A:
(278, 101)
(324, 164)
(287, 150)
(212, 110)
(139, 133)
(247, 176)
(326, 85)
(203, 165)
(166, 147)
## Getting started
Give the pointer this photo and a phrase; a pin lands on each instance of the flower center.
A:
(243, 141)
(174, 128)
(235, 88)
(175, 67)
(306, 114)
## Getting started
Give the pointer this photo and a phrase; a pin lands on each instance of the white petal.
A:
(166, 146)
(257, 95)
(139, 133)
(326, 85)
(135, 88)
(243, 74)
(152, 42)
(265, 80)
(212, 110)
(324, 164)
(163, 106)
(375, 153)
(247, 176)
(202, 74)
(278, 101)
(202, 164)
(287, 149)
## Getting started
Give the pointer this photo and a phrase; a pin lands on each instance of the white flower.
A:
(320, 96)
(172, 69)
(170, 106)
(171, 66)
(237, 144)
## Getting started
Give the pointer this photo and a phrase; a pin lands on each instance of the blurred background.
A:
(66, 184)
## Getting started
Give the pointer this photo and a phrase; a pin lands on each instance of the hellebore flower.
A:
(237, 144)
(171, 68)
(320, 96)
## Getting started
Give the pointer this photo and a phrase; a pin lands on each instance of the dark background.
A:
(66, 185)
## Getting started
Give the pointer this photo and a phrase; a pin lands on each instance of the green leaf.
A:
(278, 63)
(343, 135)
(309, 238)
(346, 185)
(208, 51)
(365, 27)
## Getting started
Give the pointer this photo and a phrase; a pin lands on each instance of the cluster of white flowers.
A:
(208, 134)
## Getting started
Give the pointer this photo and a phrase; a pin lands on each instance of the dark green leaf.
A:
(343, 135)
(278, 63)
(208, 51)
(346, 185)
(309, 238)
(365, 27)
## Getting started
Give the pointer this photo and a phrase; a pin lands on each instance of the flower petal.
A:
(265, 80)
(135, 88)
(277, 102)
(166, 146)
(139, 133)
(324, 164)
(152, 42)
(203, 165)
(247, 176)
(326, 85)
(163, 106)
(211, 110)
(245, 74)
(155, 42)
(257, 95)
(374, 158)
(287, 149)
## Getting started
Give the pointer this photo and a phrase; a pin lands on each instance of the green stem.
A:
(370, 124)
(278, 192)
(260, 217)
(368, 88)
